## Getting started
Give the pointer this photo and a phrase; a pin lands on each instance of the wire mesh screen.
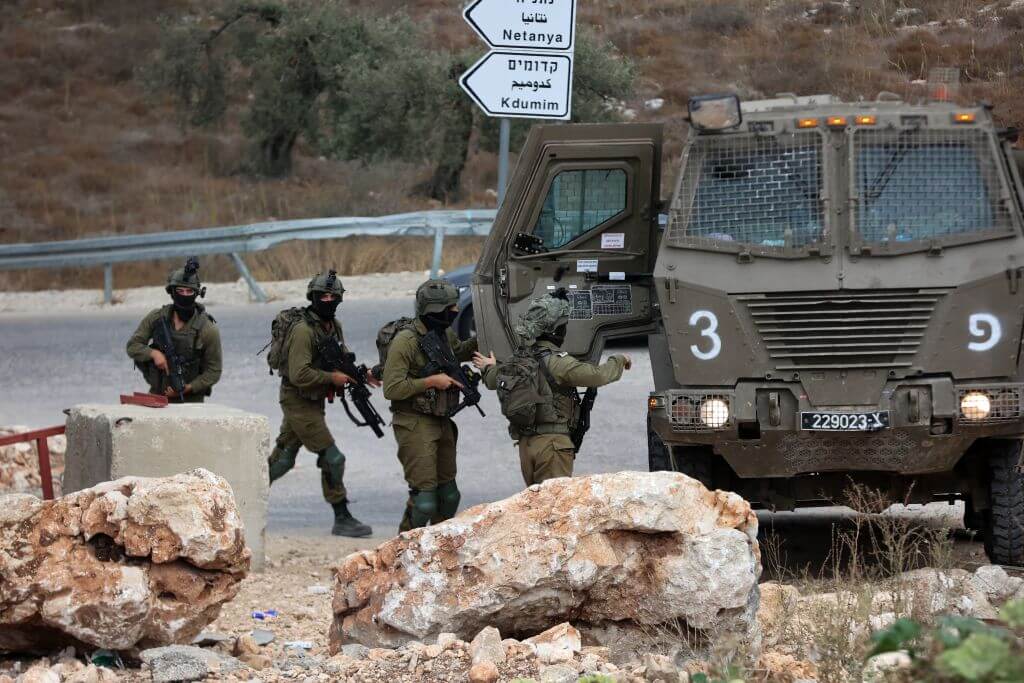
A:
(577, 202)
(756, 190)
(697, 411)
(921, 184)
(987, 405)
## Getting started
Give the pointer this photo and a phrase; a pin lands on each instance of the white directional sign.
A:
(521, 84)
(524, 24)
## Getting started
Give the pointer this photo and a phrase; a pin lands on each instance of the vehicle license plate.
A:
(845, 422)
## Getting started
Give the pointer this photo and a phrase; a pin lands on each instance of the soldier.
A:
(545, 450)
(420, 405)
(304, 389)
(193, 333)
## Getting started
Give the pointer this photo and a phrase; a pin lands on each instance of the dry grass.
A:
(85, 153)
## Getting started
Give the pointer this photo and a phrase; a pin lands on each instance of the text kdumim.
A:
(543, 65)
(521, 104)
(532, 37)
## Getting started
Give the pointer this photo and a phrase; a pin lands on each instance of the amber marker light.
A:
(655, 402)
(963, 117)
(807, 123)
(866, 120)
(836, 121)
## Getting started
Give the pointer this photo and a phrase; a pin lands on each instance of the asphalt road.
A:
(50, 362)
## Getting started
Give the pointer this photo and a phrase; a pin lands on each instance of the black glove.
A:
(561, 293)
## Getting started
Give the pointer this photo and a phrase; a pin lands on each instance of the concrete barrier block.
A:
(106, 442)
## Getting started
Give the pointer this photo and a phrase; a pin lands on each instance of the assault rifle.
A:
(583, 424)
(175, 363)
(441, 360)
(334, 357)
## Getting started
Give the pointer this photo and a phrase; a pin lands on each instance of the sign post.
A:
(528, 71)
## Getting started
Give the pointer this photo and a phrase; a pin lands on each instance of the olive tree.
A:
(352, 85)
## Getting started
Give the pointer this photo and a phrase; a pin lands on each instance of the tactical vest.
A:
(319, 333)
(562, 413)
(439, 403)
(186, 344)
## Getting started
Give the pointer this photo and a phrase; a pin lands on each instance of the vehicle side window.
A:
(578, 202)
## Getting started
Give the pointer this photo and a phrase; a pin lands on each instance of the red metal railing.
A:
(42, 448)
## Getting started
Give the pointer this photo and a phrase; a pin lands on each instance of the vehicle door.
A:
(581, 212)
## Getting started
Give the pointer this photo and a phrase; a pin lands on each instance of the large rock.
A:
(107, 442)
(631, 549)
(19, 464)
(130, 562)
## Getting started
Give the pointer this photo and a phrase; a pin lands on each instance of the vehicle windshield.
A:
(756, 190)
(922, 184)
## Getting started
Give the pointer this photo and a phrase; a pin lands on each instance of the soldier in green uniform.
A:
(421, 405)
(304, 390)
(194, 335)
(545, 450)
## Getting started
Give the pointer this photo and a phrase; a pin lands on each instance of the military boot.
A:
(347, 525)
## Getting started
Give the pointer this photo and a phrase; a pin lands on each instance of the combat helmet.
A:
(325, 284)
(435, 296)
(544, 315)
(186, 277)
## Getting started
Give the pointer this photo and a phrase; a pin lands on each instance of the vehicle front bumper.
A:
(762, 437)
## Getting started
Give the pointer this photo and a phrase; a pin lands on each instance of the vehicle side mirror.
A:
(715, 112)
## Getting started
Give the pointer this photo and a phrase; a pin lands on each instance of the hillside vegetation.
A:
(87, 151)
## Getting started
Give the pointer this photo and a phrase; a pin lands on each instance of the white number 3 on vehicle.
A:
(986, 330)
(710, 331)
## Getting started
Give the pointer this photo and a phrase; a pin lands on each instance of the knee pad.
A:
(424, 507)
(282, 460)
(448, 498)
(332, 463)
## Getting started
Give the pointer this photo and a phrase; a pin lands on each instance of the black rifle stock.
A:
(441, 360)
(583, 424)
(175, 364)
(335, 357)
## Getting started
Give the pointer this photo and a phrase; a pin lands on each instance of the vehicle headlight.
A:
(975, 406)
(714, 412)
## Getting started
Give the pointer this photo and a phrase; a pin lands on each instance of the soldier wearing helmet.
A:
(304, 389)
(420, 406)
(545, 450)
(193, 332)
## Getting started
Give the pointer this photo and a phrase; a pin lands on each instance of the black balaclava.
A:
(439, 321)
(184, 306)
(557, 336)
(326, 309)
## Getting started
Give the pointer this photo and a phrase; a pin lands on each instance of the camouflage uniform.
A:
(303, 394)
(426, 437)
(197, 342)
(546, 451)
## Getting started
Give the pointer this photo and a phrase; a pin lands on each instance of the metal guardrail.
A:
(238, 239)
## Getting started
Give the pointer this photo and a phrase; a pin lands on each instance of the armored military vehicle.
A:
(833, 294)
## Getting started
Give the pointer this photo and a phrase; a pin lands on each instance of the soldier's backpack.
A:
(385, 336)
(523, 387)
(279, 329)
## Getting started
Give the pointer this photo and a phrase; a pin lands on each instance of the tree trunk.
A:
(274, 156)
(444, 182)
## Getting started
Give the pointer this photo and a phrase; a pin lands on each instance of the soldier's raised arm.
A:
(571, 372)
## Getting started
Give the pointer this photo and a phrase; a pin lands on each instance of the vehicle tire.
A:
(1003, 522)
(467, 324)
(657, 451)
(693, 461)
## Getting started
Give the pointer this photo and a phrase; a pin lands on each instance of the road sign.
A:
(527, 85)
(524, 24)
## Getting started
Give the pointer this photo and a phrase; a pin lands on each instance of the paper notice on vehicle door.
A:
(613, 240)
(617, 300)
(586, 265)
(582, 305)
